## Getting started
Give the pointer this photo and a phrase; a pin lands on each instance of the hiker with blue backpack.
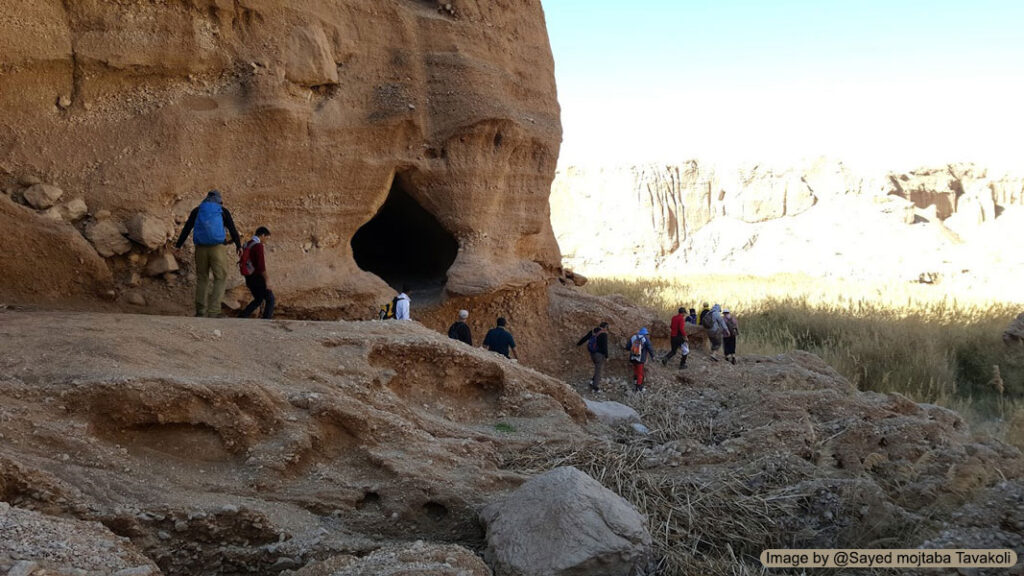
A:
(253, 266)
(640, 351)
(208, 223)
(597, 345)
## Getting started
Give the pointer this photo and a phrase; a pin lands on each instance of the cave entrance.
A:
(405, 245)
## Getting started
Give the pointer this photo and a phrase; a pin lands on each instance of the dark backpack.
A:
(592, 343)
(245, 265)
(387, 311)
(707, 321)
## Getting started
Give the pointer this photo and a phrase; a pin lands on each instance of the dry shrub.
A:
(710, 519)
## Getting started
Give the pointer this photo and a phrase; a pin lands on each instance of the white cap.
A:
(463, 314)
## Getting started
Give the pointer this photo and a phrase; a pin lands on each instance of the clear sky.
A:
(884, 82)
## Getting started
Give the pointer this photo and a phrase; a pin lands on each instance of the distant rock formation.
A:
(439, 119)
(643, 216)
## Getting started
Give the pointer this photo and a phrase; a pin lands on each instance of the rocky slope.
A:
(312, 118)
(231, 446)
(822, 218)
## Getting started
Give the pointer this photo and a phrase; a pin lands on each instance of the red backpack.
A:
(245, 265)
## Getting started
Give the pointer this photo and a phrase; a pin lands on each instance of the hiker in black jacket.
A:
(597, 344)
(460, 330)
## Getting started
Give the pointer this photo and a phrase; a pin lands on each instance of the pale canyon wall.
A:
(310, 117)
(821, 217)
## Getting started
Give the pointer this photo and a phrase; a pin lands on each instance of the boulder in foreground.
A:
(564, 523)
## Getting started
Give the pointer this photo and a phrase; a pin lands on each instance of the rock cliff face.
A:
(643, 218)
(439, 119)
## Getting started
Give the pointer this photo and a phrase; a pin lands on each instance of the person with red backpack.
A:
(640, 350)
(597, 345)
(253, 266)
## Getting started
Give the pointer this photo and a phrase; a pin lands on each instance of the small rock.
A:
(64, 101)
(23, 568)
(229, 509)
(29, 180)
(53, 214)
(217, 333)
(74, 210)
(285, 563)
(147, 231)
(163, 535)
(135, 298)
(161, 265)
(640, 429)
(108, 237)
(180, 526)
(102, 214)
(135, 280)
(136, 571)
(43, 196)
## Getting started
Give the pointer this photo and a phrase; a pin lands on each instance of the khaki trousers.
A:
(210, 259)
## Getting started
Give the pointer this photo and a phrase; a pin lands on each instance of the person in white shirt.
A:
(402, 305)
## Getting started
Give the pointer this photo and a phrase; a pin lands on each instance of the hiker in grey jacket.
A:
(719, 330)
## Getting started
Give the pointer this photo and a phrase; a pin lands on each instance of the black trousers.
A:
(730, 345)
(257, 285)
(677, 343)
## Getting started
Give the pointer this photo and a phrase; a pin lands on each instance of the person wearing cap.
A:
(704, 311)
(500, 340)
(208, 222)
(678, 335)
(254, 268)
(640, 350)
(718, 331)
(729, 342)
(597, 345)
(459, 330)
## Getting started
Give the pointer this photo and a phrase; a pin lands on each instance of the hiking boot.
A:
(682, 366)
(733, 360)
(664, 361)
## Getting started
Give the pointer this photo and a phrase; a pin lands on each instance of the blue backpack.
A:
(592, 343)
(209, 228)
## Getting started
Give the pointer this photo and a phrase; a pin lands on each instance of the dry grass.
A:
(896, 337)
(708, 519)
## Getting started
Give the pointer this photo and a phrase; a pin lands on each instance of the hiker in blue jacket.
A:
(208, 222)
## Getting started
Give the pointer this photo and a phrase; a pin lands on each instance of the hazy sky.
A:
(875, 81)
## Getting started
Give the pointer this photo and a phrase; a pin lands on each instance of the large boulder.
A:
(565, 523)
(612, 413)
(43, 260)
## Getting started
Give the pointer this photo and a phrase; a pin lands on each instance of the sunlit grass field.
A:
(898, 337)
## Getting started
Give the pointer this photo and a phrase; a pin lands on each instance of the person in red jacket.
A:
(678, 335)
(254, 268)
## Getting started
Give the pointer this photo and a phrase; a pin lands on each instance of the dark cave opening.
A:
(405, 245)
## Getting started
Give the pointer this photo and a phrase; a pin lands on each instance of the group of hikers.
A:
(720, 326)
(211, 223)
(208, 222)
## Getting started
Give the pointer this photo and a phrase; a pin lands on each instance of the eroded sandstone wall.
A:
(302, 113)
